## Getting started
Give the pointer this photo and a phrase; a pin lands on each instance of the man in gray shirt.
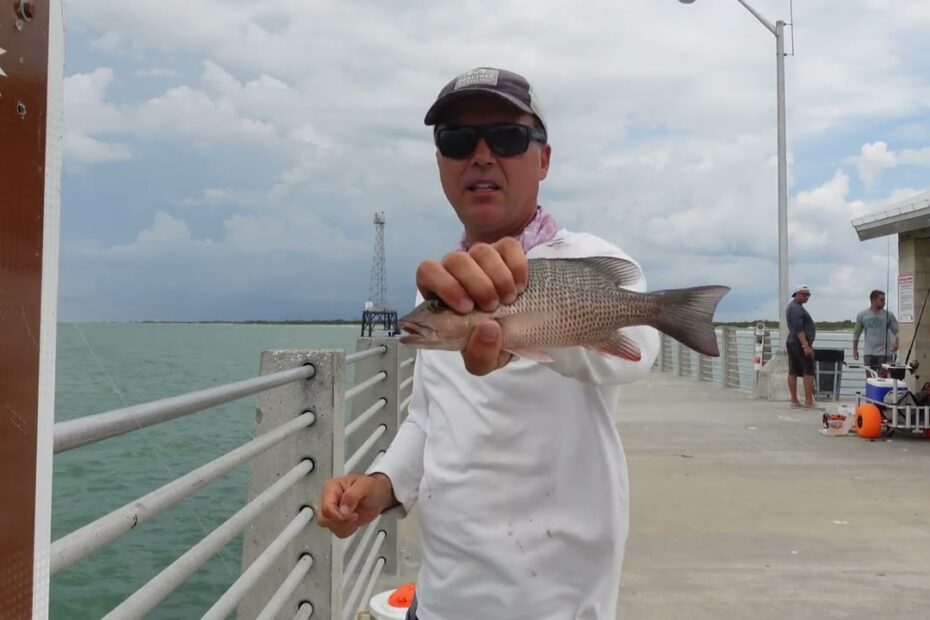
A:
(800, 348)
(881, 333)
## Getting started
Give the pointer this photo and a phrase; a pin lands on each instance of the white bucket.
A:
(381, 609)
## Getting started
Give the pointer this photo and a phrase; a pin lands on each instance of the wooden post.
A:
(31, 64)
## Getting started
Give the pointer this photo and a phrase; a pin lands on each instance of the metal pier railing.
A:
(735, 368)
(306, 421)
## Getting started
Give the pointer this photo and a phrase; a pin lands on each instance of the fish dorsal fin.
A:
(618, 270)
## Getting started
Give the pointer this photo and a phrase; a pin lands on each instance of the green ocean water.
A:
(106, 366)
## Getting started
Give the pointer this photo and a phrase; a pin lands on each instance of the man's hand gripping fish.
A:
(575, 302)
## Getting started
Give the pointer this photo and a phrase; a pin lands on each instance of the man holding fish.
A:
(527, 331)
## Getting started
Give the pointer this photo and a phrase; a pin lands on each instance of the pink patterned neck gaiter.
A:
(541, 229)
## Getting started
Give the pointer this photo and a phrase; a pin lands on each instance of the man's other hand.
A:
(349, 502)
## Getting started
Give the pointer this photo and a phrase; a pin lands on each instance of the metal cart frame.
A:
(899, 414)
(828, 363)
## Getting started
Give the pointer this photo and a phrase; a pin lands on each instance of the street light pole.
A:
(778, 29)
(782, 185)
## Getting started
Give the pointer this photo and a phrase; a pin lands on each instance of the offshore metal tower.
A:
(376, 308)
(377, 289)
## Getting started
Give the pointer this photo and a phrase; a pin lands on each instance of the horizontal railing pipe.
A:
(304, 611)
(347, 542)
(89, 429)
(405, 383)
(84, 541)
(352, 601)
(174, 575)
(358, 422)
(237, 591)
(374, 461)
(364, 385)
(277, 602)
(358, 552)
(366, 596)
(408, 361)
(361, 355)
(354, 460)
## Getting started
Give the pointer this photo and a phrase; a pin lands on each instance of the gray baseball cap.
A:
(509, 86)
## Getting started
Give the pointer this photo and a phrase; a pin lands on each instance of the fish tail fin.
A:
(687, 315)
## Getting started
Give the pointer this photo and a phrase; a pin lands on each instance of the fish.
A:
(572, 302)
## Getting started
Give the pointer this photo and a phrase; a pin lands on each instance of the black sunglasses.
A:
(504, 139)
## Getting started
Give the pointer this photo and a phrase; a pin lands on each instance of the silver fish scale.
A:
(580, 305)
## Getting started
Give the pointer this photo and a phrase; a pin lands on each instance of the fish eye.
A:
(435, 305)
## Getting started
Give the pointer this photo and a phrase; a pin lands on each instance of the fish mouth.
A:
(415, 333)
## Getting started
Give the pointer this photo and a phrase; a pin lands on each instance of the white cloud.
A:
(876, 157)
(168, 235)
(82, 149)
(661, 119)
(185, 113)
(217, 112)
(111, 42)
(212, 196)
(86, 107)
(300, 234)
(872, 160)
(915, 157)
(703, 62)
(901, 194)
(156, 72)
(165, 229)
(88, 117)
(829, 256)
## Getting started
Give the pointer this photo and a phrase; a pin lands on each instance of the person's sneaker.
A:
(797, 406)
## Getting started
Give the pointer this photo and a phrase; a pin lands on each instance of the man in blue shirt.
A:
(881, 333)
(800, 348)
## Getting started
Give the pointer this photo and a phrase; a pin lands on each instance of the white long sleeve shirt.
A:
(520, 476)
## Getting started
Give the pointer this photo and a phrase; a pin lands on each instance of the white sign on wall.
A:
(906, 298)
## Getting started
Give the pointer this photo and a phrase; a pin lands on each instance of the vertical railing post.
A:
(389, 416)
(725, 354)
(769, 348)
(322, 442)
(405, 537)
(404, 372)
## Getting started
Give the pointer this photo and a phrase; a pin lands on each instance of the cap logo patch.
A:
(477, 76)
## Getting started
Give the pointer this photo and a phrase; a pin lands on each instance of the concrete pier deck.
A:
(742, 509)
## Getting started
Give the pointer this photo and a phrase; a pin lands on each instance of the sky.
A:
(224, 159)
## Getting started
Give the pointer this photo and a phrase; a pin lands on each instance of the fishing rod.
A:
(885, 352)
(916, 328)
